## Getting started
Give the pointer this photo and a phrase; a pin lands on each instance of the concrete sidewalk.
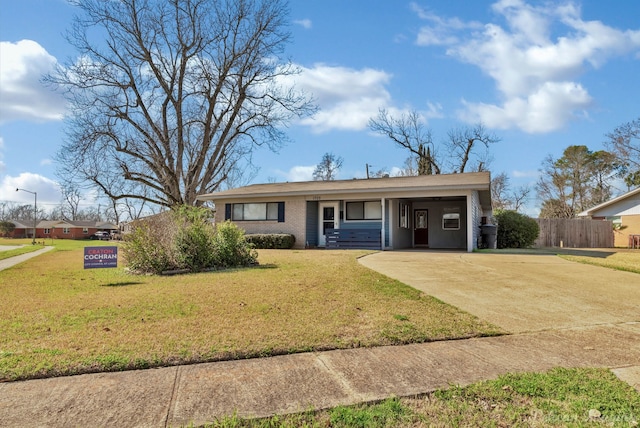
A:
(12, 261)
(176, 396)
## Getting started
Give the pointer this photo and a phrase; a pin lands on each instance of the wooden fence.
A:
(574, 233)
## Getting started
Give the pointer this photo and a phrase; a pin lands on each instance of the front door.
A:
(329, 219)
(421, 228)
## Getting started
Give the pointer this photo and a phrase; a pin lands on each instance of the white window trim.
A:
(450, 216)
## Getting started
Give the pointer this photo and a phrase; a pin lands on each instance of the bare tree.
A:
(328, 167)
(178, 94)
(519, 197)
(470, 145)
(467, 148)
(407, 131)
(70, 204)
(499, 191)
(505, 198)
(410, 167)
(624, 142)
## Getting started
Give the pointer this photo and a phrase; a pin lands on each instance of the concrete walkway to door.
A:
(518, 292)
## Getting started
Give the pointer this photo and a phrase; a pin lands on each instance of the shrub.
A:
(231, 248)
(184, 239)
(6, 227)
(193, 245)
(143, 250)
(515, 230)
(278, 241)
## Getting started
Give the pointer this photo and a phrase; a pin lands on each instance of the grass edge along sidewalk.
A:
(558, 397)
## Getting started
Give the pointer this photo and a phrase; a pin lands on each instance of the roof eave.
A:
(306, 192)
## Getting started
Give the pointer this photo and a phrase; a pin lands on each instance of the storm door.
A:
(329, 217)
(421, 228)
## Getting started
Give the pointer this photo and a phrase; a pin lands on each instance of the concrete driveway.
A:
(518, 292)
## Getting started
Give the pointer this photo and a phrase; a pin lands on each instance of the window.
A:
(47, 231)
(65, 230)
(451, 221)
(85, 230)
(404, 215)
(617, 222)
(256, 211)
(366, 210)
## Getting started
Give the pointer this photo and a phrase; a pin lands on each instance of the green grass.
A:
(19, 251)
(58, 319)
(613, 258)
(557, 398)
(619, 259)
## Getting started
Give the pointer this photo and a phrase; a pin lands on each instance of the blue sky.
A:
(540, 75)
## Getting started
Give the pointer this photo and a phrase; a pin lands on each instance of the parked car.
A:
(101, 235)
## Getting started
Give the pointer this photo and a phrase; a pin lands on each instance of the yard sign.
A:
(100, 257)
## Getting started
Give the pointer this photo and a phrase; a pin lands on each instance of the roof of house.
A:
(475, 181)
(49, 224)
(610, 203)
(21, 225)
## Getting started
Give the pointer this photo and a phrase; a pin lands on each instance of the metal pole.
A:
(35, 216)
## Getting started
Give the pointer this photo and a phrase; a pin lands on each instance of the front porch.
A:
(438, 222)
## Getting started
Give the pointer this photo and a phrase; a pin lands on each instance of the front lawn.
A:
(618, 258)
(57, 318)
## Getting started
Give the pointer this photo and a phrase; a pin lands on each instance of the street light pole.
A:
(35, 212)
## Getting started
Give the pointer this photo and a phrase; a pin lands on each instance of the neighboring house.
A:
(61, 229)
(430, 211)
(66, 229)
(623, 211)
(22, 230)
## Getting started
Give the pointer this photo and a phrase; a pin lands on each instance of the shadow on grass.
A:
(585, 253)
(121, 284)
(595, 253)
(267, 266)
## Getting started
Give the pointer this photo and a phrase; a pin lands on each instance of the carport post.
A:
(470, 223)
(382, 229)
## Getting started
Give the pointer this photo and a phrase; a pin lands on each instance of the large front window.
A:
(255, 211)
(364, 210)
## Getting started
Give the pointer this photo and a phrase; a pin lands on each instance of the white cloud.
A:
(298, 173)
(48, 190)
(24, 97)
(304, 23)
(545, 109)
(440, 31)
(44, 162)
(535, 71)
(347, 98)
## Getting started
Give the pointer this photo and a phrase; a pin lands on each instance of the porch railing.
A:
(365, 239)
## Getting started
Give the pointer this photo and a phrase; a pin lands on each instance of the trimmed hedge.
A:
(266, 241)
